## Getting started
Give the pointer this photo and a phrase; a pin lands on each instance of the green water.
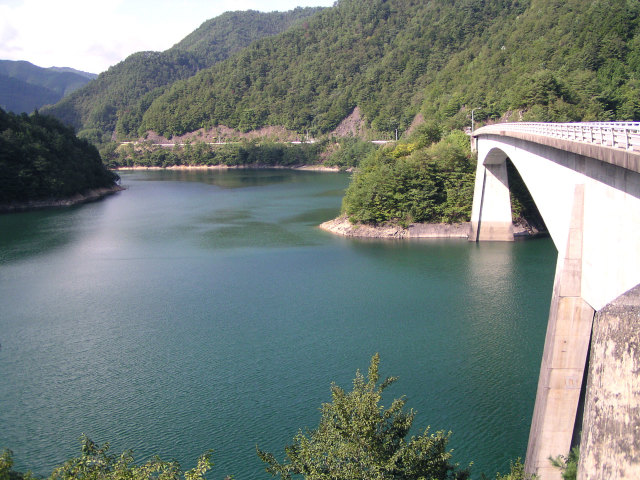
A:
(206, 310)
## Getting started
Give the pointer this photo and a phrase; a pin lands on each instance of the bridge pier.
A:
(564, 357)
(491, 216)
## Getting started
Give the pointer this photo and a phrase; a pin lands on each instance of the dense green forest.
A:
(547, 60)
(523, 59)
(394, 63)
(25, 87)
(200, 154)
(40, 158)
(427, 179)
(375, 54)
(114, 103)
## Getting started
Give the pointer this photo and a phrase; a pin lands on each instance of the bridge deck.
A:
(617, 143)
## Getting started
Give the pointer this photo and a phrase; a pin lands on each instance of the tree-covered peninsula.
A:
(426, 180)
(43, 162)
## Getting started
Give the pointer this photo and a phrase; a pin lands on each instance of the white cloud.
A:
(93, 35)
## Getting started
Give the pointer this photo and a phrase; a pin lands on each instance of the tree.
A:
(359, 439)
(568, 465)
(96, 463)
(6, 463)
(516, 473)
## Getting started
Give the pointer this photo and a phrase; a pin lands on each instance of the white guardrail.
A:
(624, 135)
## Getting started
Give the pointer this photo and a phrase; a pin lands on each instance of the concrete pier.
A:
(491, 217)
(564, 358)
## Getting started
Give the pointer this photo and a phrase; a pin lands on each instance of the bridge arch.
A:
(607, 208)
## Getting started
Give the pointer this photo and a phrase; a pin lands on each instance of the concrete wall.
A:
(610, 443)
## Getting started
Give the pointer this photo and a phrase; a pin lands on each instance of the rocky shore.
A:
(85, 197)
(342, 226)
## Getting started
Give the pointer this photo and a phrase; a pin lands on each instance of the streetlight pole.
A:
(472, 123)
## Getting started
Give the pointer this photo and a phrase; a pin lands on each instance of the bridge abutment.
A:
(610, 441)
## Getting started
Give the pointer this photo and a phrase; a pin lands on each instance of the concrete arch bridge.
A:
(585, 181)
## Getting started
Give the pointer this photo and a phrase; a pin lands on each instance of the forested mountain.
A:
(40, 158)
(25, 87)
(559, 60)
(218, 38)
(19, 96)
(117, 99)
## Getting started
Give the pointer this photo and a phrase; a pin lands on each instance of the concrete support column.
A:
(491, 212)
(564, 357)
(610, 443)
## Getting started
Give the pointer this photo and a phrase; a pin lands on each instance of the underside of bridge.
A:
(524, 211)
(592, 211)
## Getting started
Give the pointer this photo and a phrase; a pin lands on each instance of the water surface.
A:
(200, 310)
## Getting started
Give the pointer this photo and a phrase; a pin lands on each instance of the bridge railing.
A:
(624, 135)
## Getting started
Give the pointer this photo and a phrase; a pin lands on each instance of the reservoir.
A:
(205, 310)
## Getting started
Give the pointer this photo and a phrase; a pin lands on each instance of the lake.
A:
(205, 310)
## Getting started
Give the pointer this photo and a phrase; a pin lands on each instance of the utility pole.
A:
(472, 123)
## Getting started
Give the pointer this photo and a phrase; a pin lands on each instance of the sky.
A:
(92, 35)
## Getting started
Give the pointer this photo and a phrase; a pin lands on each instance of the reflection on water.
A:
(38, 232)
(187, 313)
(226, 178)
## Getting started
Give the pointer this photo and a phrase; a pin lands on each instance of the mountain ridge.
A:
(543, 60)
(396, 61)
(25, 87)
(113, 104)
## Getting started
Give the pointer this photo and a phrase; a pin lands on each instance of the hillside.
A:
(41, 159)
(116, 100)
(535, 60)
(25, 87)
(19, 96)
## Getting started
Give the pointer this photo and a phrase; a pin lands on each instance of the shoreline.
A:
(342, 226)
(77, 199)
(312, 168)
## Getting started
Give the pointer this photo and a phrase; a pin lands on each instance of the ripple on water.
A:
(173, 318)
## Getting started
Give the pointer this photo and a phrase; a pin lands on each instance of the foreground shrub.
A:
(359, 439)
